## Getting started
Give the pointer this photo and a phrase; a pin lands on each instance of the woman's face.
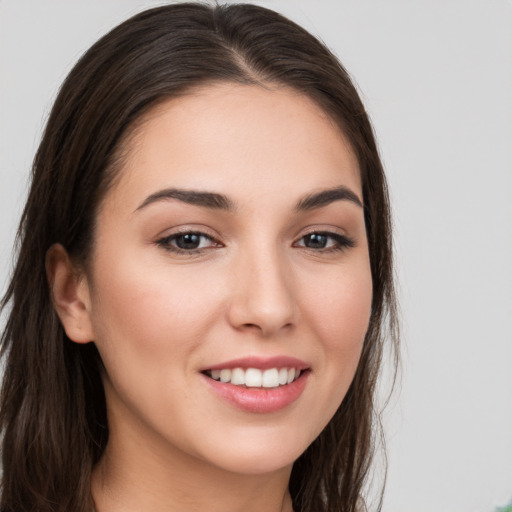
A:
(232, 247)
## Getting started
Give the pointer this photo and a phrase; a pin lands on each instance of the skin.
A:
(256, 287)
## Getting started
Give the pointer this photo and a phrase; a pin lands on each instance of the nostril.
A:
(251, 326)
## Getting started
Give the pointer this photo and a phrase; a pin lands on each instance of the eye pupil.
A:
(316, 241)
(188, 241)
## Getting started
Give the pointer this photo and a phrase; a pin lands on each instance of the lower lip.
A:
(259, 400)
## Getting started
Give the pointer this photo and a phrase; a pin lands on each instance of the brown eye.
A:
(325, 241)
(189, 242)
(316, 241)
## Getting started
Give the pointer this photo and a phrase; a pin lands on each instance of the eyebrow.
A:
(216, 201)
(210, 200)
(326, 197)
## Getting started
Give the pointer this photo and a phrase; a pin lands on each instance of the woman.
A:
(203, 279)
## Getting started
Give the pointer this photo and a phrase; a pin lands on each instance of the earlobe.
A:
(70, 295)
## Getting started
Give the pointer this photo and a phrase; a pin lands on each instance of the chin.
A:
(260, 464)
(257, 454)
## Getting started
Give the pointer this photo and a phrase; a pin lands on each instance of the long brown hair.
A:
(53, 412)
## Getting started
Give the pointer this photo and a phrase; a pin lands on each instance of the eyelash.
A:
(167, 243)
(341, 242)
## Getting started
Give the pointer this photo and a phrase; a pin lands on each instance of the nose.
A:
(263, 298)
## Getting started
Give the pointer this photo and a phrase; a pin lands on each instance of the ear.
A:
(70, 294)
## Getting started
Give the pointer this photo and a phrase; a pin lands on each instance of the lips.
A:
(258, 385)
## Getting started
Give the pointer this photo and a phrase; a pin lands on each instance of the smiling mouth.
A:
(254, 377)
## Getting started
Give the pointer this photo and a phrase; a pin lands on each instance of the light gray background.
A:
(436, 76)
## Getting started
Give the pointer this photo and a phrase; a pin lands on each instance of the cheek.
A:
(142, 309)
(340, 313)
(341, 308)
(150, 319)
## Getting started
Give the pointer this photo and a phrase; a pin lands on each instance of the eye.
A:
(325, 241)
(189, 242)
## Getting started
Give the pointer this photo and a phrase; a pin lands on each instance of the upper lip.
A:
(263, 363)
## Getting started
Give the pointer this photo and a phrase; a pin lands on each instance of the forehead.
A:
(240, 138)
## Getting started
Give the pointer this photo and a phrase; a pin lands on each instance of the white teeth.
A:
(256, 378)
(270, 378)
(253, 378)
(237, 376)
(283, 376)
(225, 375)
